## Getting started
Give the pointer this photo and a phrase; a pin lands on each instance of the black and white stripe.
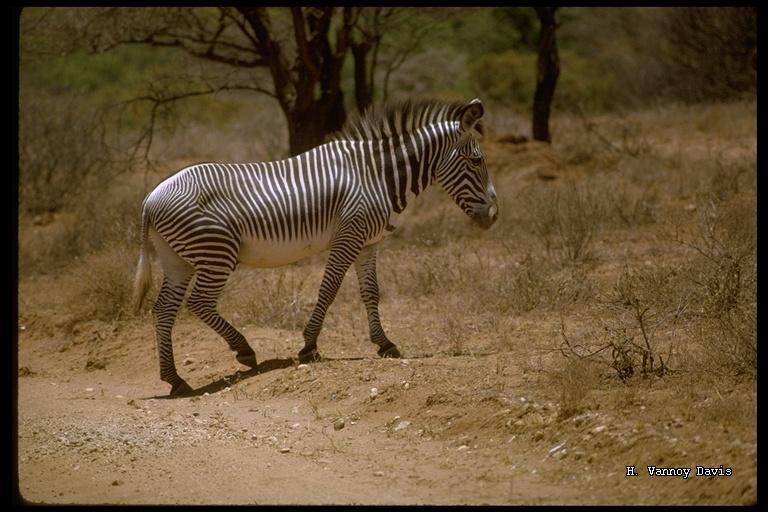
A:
(344, 195)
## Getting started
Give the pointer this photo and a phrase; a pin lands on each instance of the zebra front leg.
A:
(202, 303)
(365, 265)
(165, 309)
(343, 253)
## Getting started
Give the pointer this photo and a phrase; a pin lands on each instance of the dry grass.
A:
(574, 382)
(103, 288)
(643, 242)
(566, 219)
(279, 298)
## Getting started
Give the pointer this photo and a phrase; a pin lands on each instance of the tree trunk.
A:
(548, 69)
(309, 128)
(363, 88)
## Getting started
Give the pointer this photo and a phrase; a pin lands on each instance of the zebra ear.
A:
(470, 114)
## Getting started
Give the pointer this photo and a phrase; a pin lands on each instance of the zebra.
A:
(344, 196)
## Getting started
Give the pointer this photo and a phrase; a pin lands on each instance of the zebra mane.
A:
(395, 118)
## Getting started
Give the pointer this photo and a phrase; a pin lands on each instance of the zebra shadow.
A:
(268, 366)
(238, 376)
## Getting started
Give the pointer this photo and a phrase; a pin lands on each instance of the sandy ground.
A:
(474, 414)
(437, 430)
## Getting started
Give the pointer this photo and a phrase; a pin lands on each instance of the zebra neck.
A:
(406, 164)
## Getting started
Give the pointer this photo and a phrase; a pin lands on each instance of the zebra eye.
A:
(476, 160)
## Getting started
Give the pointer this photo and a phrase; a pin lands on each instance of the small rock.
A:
(89, 389)
(296, 425)
(188, 361)
(556, 447)
(599, 429)
(538, 436)
(374, 393)
(116, 482)
(402, 425)
(285, 450)
(462, 448)
(338, 424)
(378, 473)
(303, 367)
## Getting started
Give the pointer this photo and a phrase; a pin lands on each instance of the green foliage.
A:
(121, 70)
(510, 78)
(482, 31)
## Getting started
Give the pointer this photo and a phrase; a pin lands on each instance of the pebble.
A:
(378, 473)
(303, 367)
(402, 425)
(296, 425)
(374, 393)
(89, 389)
(599, 429)
(462, 448)
(188, 361)
(338, 424)
(285, 450)
(557, 447)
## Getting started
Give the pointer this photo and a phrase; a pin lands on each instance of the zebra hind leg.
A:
(202, 303)
(365, 266)
(165, 309)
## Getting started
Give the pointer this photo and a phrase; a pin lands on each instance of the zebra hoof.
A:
(181, 388)
(247, 360)
(311, 356)
(390, 351)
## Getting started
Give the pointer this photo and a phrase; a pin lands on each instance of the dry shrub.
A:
(426, 271)
(712, 52)
(61, 151)
(48, 243)
(566, 220)
(277, 298)
(530, 283)
(724, 272)
(103, 284)
(455, 333)
(632, 205)
(574, 381)
(638, 319)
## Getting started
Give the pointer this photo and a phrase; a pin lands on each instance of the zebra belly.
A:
(256, 252)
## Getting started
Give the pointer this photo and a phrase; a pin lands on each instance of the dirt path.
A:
(436, 430)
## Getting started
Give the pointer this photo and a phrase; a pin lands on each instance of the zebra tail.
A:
(143, 278)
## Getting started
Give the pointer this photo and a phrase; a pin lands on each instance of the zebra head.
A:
(463, 173)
